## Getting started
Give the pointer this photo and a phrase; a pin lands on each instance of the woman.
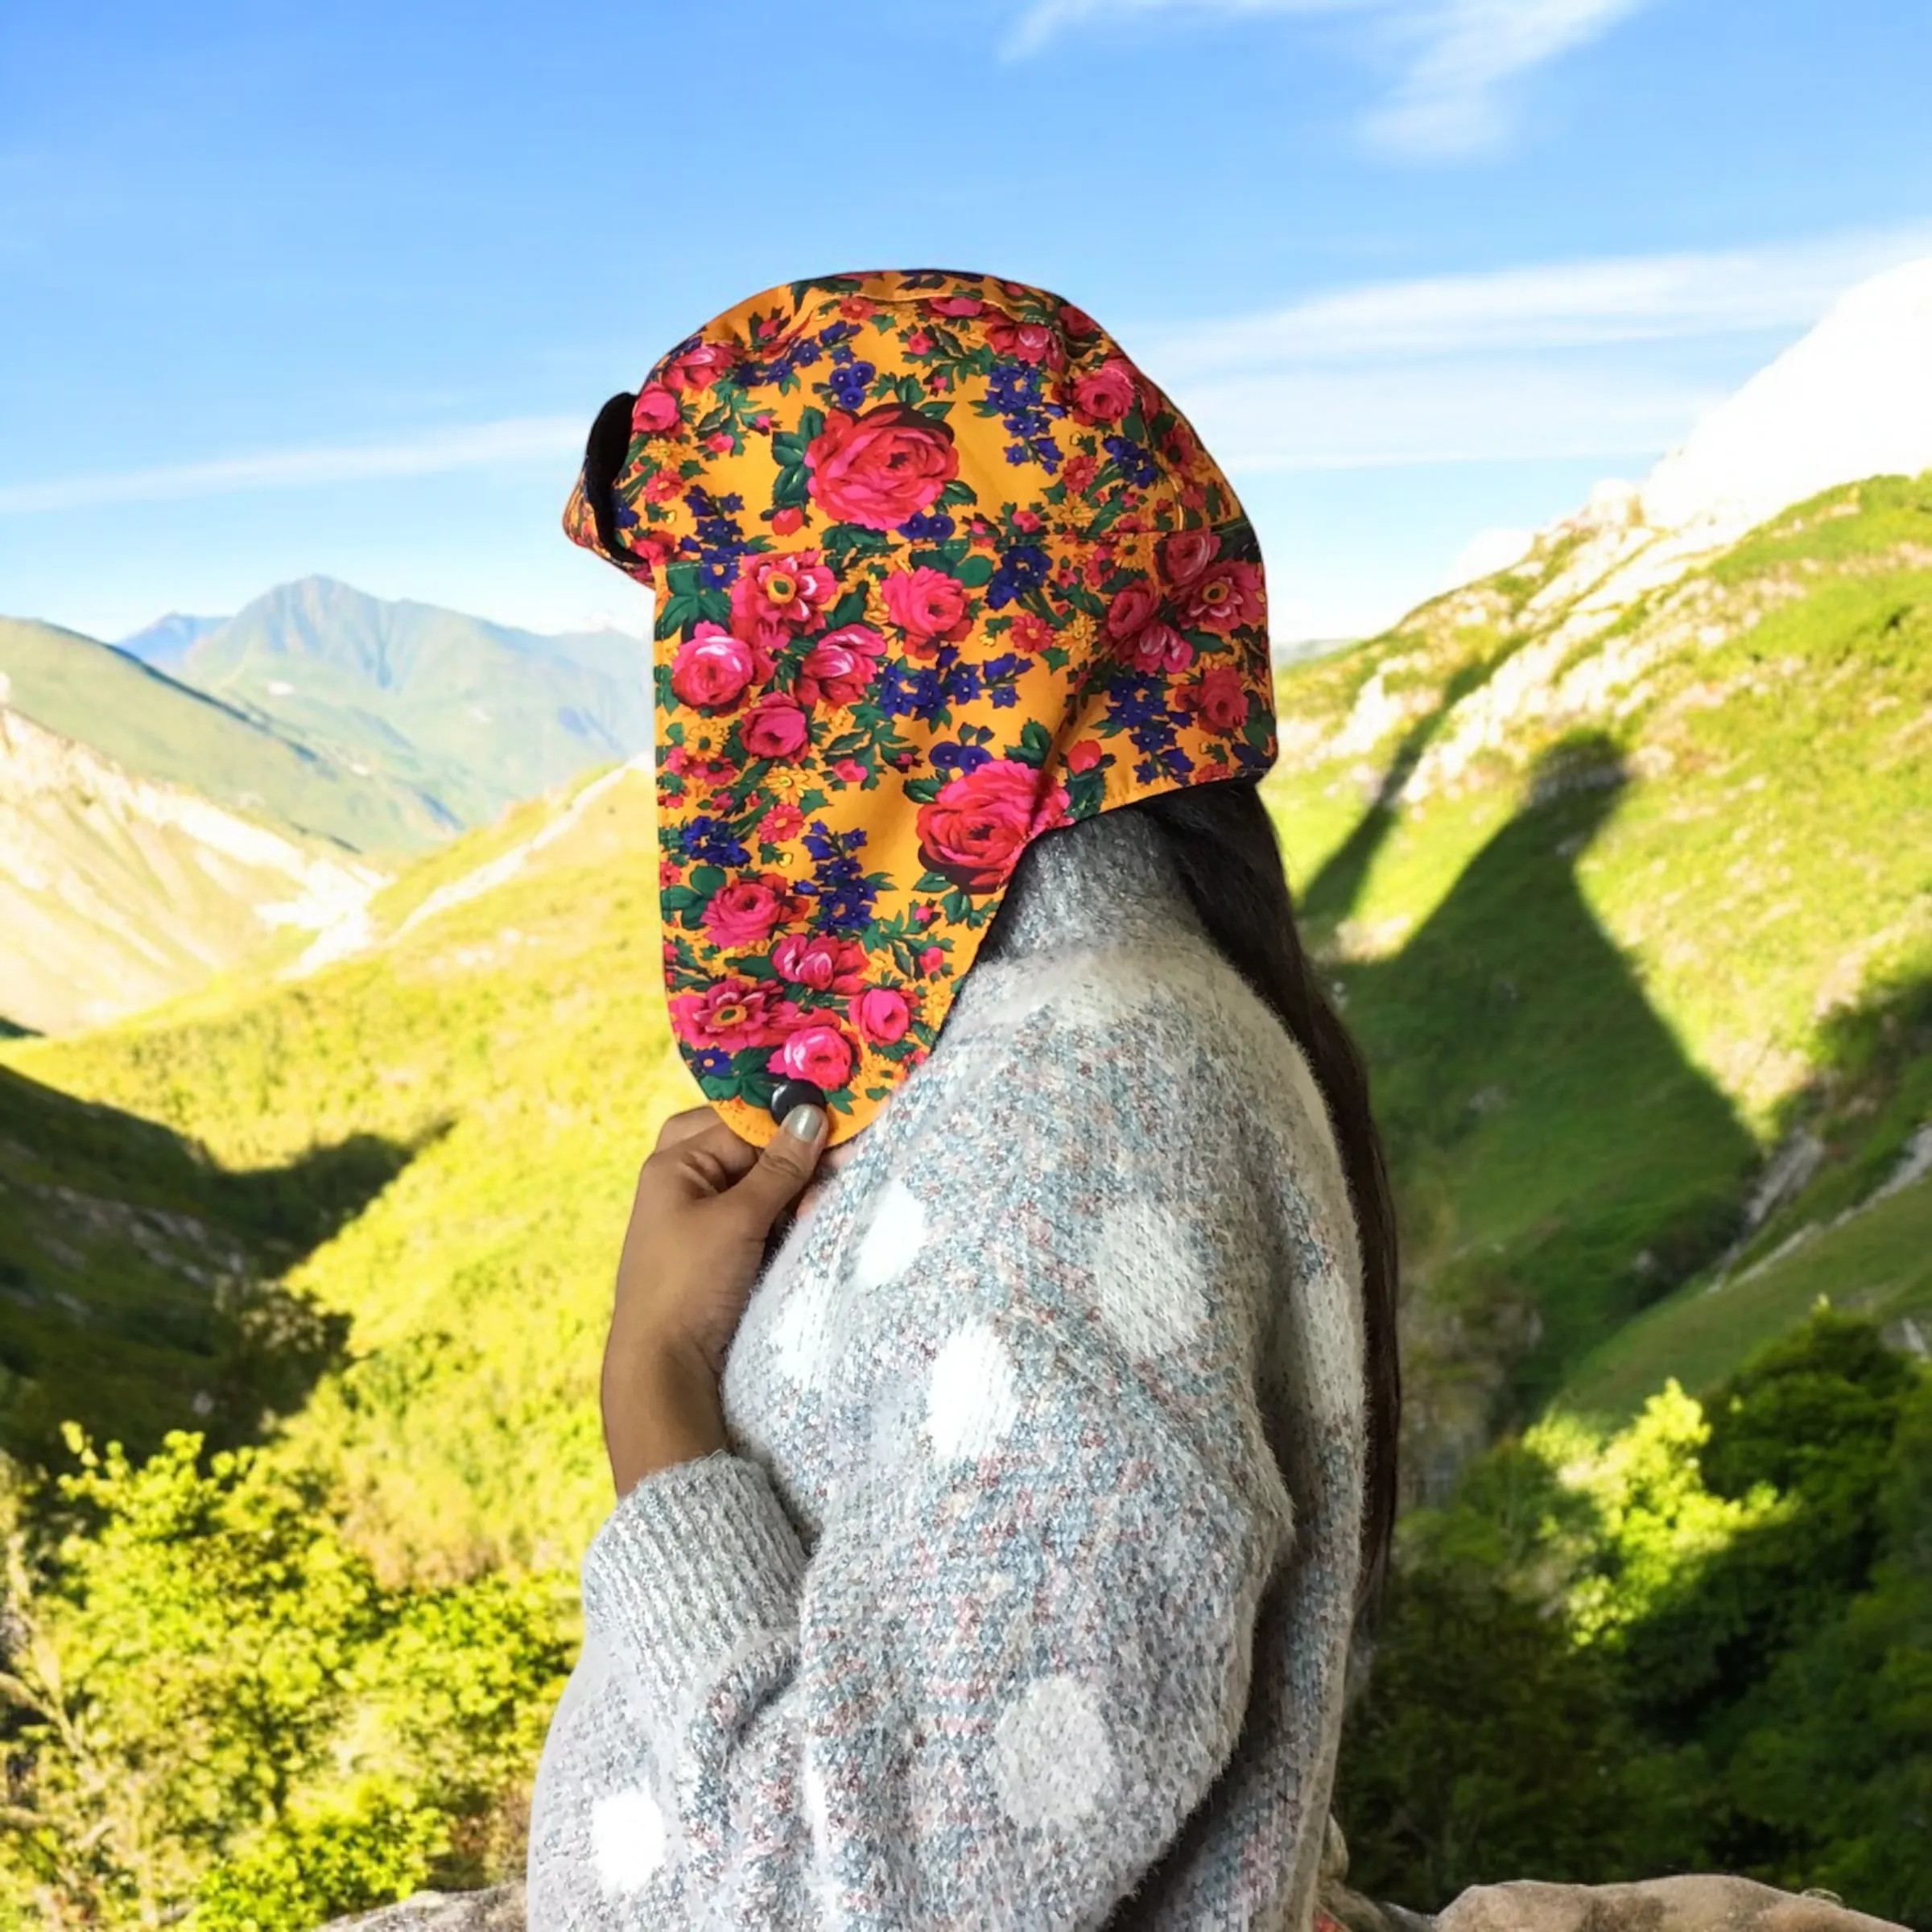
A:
(989, 1531)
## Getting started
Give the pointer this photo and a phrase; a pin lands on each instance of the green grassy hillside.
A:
(155, 727)
(516, 1041)
(1629, 913)
(1593, 964)
(1605, 898)
(474, 714)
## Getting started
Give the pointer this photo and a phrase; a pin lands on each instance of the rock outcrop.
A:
(1661, 1904)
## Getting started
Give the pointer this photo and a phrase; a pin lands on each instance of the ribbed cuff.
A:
(692, 1562)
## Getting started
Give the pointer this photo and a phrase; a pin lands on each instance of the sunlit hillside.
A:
(1619, 902)
(1601, 907)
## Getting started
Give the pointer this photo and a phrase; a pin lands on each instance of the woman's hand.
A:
(706, 1203)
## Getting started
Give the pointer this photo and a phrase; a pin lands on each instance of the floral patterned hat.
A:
(937, 568)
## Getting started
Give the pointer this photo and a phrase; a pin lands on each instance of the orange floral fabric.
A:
(937, 568)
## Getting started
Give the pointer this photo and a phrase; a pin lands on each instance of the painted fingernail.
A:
(805, 1120)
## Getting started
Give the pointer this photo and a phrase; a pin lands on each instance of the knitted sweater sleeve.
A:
(1019, 1654)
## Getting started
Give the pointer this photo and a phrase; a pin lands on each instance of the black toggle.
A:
(795, 1093)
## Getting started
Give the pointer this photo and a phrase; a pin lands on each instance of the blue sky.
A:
(293, 289)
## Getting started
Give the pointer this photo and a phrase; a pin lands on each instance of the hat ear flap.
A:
(604, 453)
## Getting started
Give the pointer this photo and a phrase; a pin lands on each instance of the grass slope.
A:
(116, 891)
(515, 1042)
(157, 728)
(1607, 908)
(1598, 895)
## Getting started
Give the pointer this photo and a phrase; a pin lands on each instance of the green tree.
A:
(211, 1700)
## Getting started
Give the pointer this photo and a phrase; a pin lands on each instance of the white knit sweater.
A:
(1022, 1597)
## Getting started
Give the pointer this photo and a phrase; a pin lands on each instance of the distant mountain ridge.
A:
(473, 714)
(154, 725)
(315, 720)
(164, 643)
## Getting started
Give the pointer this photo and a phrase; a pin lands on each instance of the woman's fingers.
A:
(682, 1125)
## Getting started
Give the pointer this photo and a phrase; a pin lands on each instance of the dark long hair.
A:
(1224, 845)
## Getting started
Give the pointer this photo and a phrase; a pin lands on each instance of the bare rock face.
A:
(500, 1909)
(1658, 1904)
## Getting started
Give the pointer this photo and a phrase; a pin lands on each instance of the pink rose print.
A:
(1186, 554)
(1161, 647)
(974, 832)
(733, 1012)
(1218, 698)
(1132, 605)
(1030, 342)
(839, 668)
(956, 305)
(775, 597)
(918, 343)
(1227, 595)
(1104, 395)
(820, 961)
(850, 769)
(1076, 321)
(931, 958)
(699, 367)
(926, 604)
(1181, 448)
(650, 547)
(881, 1013)
(817, 1053)
(1083, 755)
(743, 913)
(718, 442)
(712, 668)
(1078, 473)
(784, 522)
(775, 727)
(655, 410)
(877, 470)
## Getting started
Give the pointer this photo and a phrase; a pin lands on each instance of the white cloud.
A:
(1560, 305)
(1543, 362)
(477, 446)
(1455, 56)
(1465, 410)
(1451, 99)
(1487, 552)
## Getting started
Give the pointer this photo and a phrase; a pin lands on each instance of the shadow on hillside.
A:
(1557, 1161)
(140, 1286)
(1331, 895)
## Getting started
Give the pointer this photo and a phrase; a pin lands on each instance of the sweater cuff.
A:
(690, 1568)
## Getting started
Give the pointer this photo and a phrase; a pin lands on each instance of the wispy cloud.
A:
(1615, 298)
(1455, 58)
(478, 446)
(1542, 362)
